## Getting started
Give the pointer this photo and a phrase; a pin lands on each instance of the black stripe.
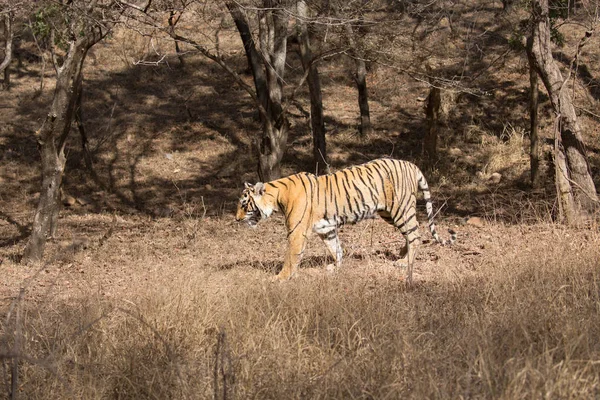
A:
(411, 230)
(332, 194)
(396, 174)
(312, 193)
(346, 184)
(405, 177)
(371, 186)
(409, 217)
(288, 212)
(360, 194)
(318, 194)
(390, 174)
(382, 184)
(329, 235)
(303, 212)
(371, 176)
(325, 195)
(365, 184)
(395, 216)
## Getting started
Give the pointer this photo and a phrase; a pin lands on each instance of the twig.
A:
(597, 116)
(14, 379)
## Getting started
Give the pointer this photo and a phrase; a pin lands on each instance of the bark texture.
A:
(52, 137)
(360, 78)
(267, 61)
(317, 120)
(438, 108)
(8, 35)
(570, 138)
(534, 148)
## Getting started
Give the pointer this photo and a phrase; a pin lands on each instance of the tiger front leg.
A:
(293, 255)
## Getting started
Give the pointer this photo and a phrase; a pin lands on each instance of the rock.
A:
(228, 170)
(495, 177)
(455, 152)
(69, 200)
(165, 212)
(445, 23)
(84, 201)
(476, 222)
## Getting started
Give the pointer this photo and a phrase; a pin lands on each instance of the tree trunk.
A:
(567, 210)
(432, 112)
(578, 173)
(317, 120)
(87, 155)
(273, 26)
(271, 152)
(438, 109)
(360, 77)
(254, 60)
(8, 35)
(267, 61)
(52, 138)
(172, 22)
(534, 150)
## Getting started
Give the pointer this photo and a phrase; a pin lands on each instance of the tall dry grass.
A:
(522, 325)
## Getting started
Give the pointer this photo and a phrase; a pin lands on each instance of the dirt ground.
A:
(147, 252)
(172, 150)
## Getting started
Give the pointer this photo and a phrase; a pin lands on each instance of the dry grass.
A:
(517, 320)
(175, 301)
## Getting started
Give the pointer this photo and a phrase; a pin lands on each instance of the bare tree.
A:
(317, 120)
(8, 16)
(268, 68)
(263, 29)
(576, 189)
(534, 150)
(433, 113)
(86, 23)
(360, 78)
(174, 17)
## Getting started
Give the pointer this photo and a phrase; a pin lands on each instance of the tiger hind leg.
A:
(332, 241)
(409, 227)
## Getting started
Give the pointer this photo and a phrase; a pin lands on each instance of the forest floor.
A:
(152, 289)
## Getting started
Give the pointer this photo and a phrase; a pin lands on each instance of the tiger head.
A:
(253, 206)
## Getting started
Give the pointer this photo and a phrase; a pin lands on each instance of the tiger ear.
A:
(259, 189)
(248, 185)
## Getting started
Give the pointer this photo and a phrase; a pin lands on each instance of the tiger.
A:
(322, 204)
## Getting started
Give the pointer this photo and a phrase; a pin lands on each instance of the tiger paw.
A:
(280, 278)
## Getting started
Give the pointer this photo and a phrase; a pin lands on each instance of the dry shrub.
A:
(522, 325)
(505, 154)
(517, 207)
